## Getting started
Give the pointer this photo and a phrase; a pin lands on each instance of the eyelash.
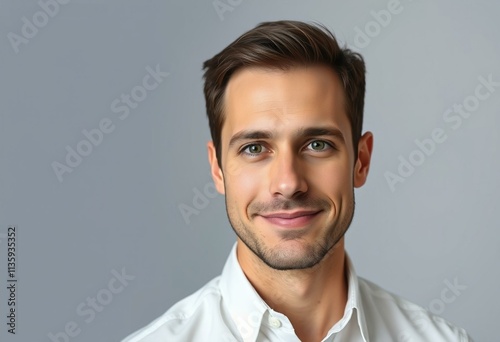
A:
(242, 151)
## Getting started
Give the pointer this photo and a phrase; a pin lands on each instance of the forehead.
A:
(274, 99)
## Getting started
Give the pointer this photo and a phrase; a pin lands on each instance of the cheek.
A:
(243, 183)
(334, 178)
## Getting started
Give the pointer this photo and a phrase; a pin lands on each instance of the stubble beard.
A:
(286, 259)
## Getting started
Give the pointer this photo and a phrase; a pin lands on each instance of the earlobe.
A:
(362, 166)
(215, 171)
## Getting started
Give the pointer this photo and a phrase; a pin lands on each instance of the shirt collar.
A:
(245, 305)
(247, 308)
(354, 299)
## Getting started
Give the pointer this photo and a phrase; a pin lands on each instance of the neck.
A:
(313, 299)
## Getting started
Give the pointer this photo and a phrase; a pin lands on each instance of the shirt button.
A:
(275, 323)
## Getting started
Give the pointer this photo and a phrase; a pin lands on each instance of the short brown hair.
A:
(282, 45)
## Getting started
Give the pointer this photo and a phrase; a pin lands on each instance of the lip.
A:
(291, 215)
(294, 219)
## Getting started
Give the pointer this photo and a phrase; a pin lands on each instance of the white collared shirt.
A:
(228, 309)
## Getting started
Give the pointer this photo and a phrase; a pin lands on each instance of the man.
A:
(285, 108)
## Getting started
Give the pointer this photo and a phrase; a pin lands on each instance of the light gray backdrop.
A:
(98, 159)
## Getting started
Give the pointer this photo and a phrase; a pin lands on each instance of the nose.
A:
(287, 175)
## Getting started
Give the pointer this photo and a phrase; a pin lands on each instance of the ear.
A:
(362, 165)
(216, 172)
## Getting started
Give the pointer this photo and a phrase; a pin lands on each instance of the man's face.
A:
(288, 164)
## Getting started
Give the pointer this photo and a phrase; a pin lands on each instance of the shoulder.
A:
(388, 314)
(184, 318)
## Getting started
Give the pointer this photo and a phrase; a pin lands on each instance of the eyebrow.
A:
(300, 133)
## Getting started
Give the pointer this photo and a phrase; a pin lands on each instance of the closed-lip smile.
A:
(291, 215)
(295, 219)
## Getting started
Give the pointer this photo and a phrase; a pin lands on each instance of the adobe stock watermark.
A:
(247, 324)
(449, 294)
(92, 306)
(31, 26)
(201, 200)
(201, 197)
(381, 20)
(223, 6)
(121, 107)
(453, 118)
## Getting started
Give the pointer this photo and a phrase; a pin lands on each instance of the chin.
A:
(293, 255)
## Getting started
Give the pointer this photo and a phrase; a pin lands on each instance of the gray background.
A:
(119, 208)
